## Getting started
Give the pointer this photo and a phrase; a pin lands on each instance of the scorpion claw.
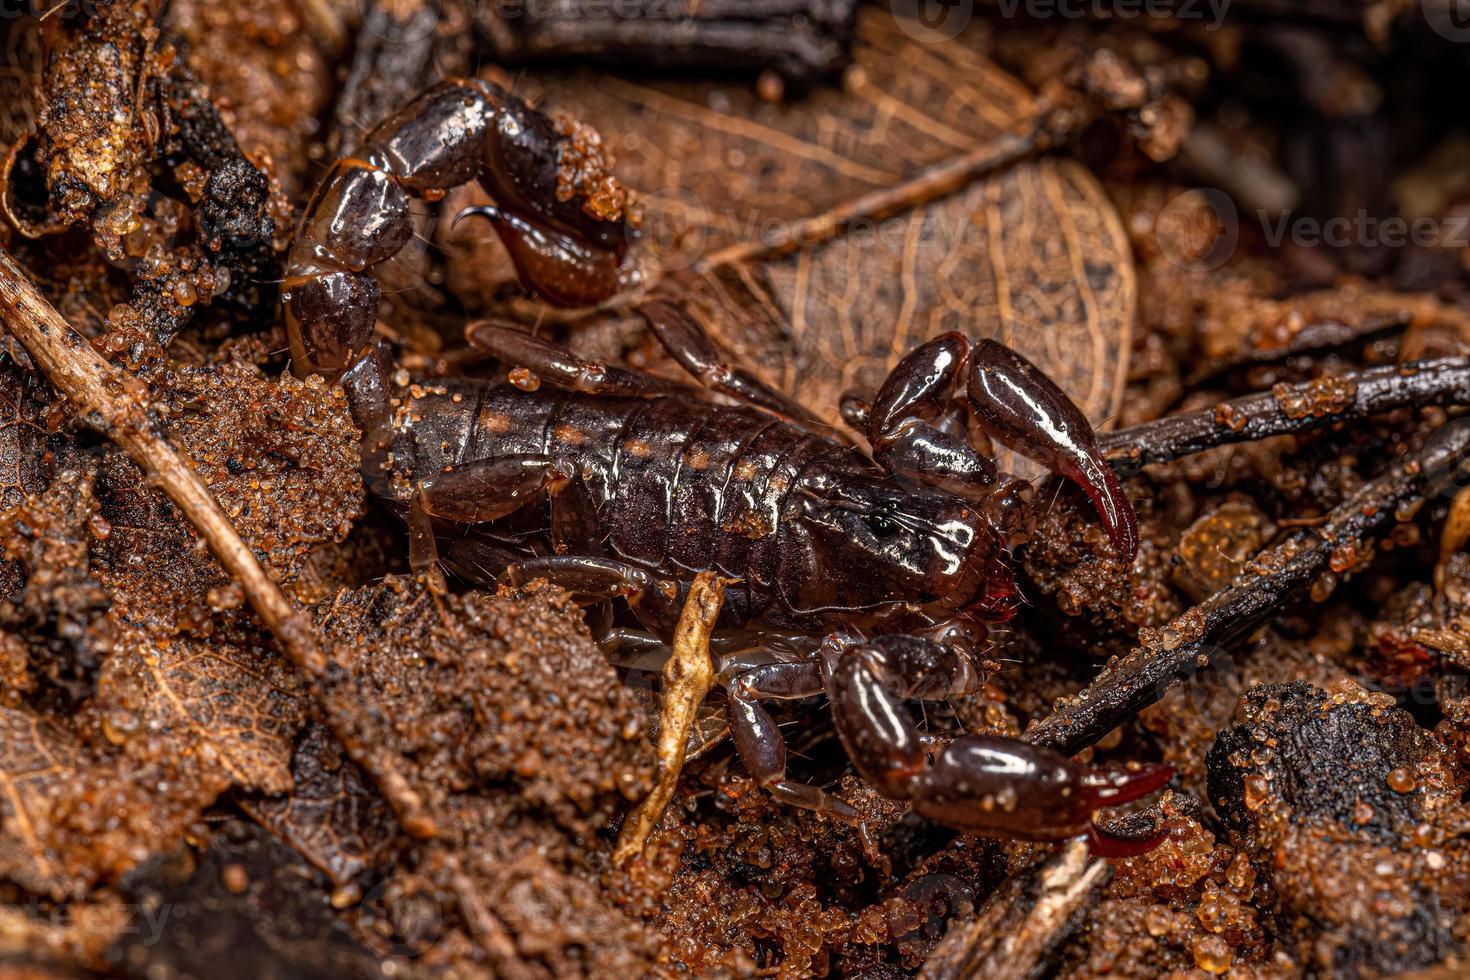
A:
(1113, 787)
(1100, 483)
(1026, 411)
(487, 211)
(1106, 844)
(563, 269)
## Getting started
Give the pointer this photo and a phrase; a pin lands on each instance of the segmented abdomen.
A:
(674, 485)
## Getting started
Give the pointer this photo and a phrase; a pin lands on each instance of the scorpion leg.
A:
(696, 352)
(489, 489)
(902, 422)
(979, 783)
(1025, 410)
(472, 494)
(423, 548)
(559, 367)
(600, 579)
(759, 742)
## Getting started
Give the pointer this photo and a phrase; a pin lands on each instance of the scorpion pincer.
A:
(862, 576)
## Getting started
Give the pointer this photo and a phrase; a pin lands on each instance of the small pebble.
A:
(235, 878)
(1257, 789)
(1401, 780)
(770, 87)
(1211, 953)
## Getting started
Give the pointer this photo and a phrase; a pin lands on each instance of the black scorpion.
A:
(866, 578)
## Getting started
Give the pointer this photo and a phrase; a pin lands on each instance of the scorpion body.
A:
(863, 577)
(668, 486)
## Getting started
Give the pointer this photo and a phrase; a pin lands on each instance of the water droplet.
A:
(1211, 954)
(1257, 789)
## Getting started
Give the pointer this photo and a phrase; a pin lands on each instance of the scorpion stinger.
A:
(563, 217)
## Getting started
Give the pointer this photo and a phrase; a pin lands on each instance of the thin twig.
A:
(116, 405)
(1291, 408)
(1025, 923)
(935, 182)
(1275, 578)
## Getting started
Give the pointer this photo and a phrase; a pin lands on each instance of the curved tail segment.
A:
(564, 218)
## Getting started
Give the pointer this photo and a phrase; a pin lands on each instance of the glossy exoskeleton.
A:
(869, 574)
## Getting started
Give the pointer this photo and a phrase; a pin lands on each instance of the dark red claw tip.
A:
(1106, 844)
(1100, 483)
(1113, 787)
(486, 211)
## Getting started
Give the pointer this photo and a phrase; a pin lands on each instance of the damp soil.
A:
(177, 800)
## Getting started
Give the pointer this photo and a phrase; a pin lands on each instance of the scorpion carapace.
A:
(862, 577)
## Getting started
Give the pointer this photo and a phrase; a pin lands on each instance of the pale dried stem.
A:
(1025, 923)
(935, 182)
(688, 677)
(327, 24)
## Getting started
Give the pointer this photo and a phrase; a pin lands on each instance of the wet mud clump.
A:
(1354, 811)
(513, 730)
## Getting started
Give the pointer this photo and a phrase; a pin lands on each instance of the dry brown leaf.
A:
(715, 157)
(38, 763)
(333, 817)
(238, 708)
(1034, 254)
(22, 436)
